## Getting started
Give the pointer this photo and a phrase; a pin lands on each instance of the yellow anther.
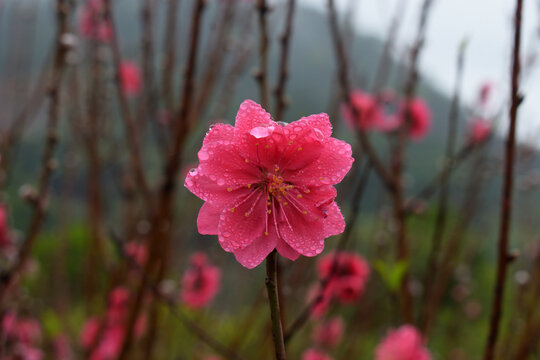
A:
(266, 146)
(246, 214)
(247, 160)
(308, 191)
(229, 189)
(304, 212)
(232, 209)
(266, 233)
(299, 196)
(269, 211)
(299, 149)
(290, 142)
(249, 186)
(257, 144)
(285, 203)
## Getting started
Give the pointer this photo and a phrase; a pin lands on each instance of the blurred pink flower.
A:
(62, 348)
(130, 78)
(322, 303)
(89, 332)
(349, 279)
(110, 344)
(313, 354)
(29, 331)
(91, 22)
(28, 352)
(368, 112)
(329, 333)
(137, 252)
(5, 240)
(420, 118)
(200, 283)
(268, 186)
(404, 343)
(479, 130)
(485, 93)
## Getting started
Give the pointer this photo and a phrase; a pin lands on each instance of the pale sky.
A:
(488, 26)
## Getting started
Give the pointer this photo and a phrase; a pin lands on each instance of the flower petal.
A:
(304, 234)
(320, 122)
(208, 219)
(334, 223)
(243, 222)
(250, 115)
(329, 169)
(254, 254)
(286, 250)
(207, 189)
(219, 132)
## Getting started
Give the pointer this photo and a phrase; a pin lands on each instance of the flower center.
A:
(277, 186)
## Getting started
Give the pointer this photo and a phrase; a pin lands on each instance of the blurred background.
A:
(110, 85)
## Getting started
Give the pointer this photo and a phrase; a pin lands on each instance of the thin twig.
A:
(281, 101)
(273, 301)
(171, 304)
(161, 221)
(170, 53)
(305, 314)
(48, 164)
(343, 70)
(506, 201)
(442, 207)
(132, 131)
(262, 73)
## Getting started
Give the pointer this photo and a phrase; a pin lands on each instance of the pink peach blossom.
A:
(329, 333)
(404, 343)
(368, 112)
(92, 24)
(479, 130)
(420, 118)
(323, 301)
(200, 282)
(313, 354)
(5, 240)
(89, 332)
(269, 186)
(348, 279)
(137, 252)
(485, 93)
(130, 78)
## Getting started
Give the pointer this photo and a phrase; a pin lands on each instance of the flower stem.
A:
(271, 288)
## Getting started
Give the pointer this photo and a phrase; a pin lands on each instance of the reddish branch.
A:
(132, 131)
(158, 239)
(358, 192)
(170, 52)
(343, 72)
(442, 206)
(215, 60)
(48, 164)
(262, 73)
(506, 204)
(281, 101)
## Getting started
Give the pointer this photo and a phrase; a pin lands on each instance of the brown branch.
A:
(305, 314)
(262, 73)
(215, 60)
(452, 249)
(132, 132)
(398, 165)
(161, 221)
(273, 301)
(170, 53)
(48, 164)
(343, 70)
(442, 207)
(506, 201)
(281, 101)
(172, 305)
